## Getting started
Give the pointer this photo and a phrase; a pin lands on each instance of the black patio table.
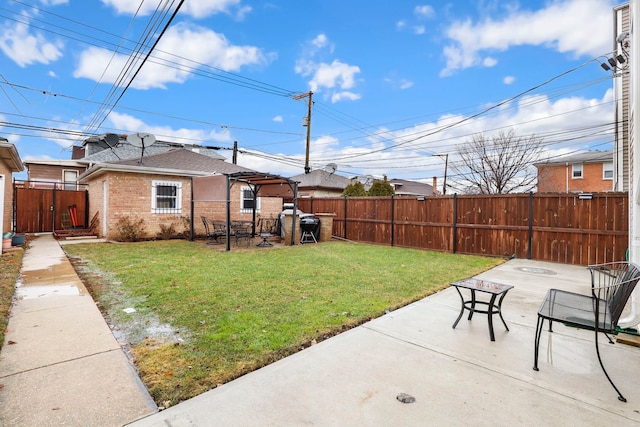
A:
(485, 286)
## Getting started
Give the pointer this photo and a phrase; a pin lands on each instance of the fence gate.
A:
(38, 210)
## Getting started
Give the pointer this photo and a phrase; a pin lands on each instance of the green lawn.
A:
(203, 316)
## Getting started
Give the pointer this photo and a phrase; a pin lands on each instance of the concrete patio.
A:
(457, 377)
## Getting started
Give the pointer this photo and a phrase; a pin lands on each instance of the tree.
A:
(500, 165)
(381, 188)
(354, 190)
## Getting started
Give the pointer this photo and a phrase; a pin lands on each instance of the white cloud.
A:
(419, 29)
(489, 62)
(336, 74)
(400, 25)
(197, 9)
(576, 27)
(345, 95)
(405, 84)
(26, 48)
(338, 77)
(278, 119)
(424, 11)
(53, 2)
(129, 123)
(509, 80)
(185, 41)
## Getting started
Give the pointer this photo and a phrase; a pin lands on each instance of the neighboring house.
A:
(320, 183)
(159, 190)
(590, 171)
(155, 185)
(405, 187)
(62, 174)
(9, 163)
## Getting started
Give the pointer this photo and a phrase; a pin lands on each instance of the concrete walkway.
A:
(66, 368)
(60, 364)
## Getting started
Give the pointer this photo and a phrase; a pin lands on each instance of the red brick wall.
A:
(129, 194)
(8, 198)
(553, 179)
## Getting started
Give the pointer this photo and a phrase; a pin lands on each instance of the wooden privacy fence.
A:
(566, 228)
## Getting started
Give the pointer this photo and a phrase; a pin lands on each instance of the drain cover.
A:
(536, 270)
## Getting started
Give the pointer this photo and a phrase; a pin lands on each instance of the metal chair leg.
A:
(536, 350)
(620, 396)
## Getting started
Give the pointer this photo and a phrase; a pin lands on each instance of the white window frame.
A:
(577, 171)
(244, 209)
(69, 185)
(607, 169)
(154, 197)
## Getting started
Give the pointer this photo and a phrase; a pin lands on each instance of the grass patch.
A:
(224, 314)
(10, 263)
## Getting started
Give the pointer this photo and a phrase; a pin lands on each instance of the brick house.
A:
(154, 183)
(159, 190)
(590, 171)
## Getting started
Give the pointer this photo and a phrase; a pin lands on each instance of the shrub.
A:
(167, 231)
(131, 230)
(381, 188)
(354, 190)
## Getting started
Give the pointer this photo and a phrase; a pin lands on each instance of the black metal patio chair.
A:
(268, 227)
(611, 286)
(214, 230)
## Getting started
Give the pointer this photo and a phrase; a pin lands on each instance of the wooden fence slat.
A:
(547, 227)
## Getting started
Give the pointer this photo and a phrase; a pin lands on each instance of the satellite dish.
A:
(111, 139)
(141, 140)
(331, 168)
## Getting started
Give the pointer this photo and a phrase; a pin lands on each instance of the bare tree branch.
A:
(499, 165)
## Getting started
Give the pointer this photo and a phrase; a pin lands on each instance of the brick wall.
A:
(553, 179)
(8, 197)
(130, 194)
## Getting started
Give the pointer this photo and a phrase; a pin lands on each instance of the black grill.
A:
(310, 227)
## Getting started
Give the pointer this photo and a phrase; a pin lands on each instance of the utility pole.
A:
(307, 123)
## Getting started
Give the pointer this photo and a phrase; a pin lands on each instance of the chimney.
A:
(435, 185)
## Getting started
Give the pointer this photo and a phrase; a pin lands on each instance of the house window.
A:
(576, 171)
(166, 197)
(607, 170)
(247, 201)
(70, 178)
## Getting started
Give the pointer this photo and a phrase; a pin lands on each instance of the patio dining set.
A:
(241, 231)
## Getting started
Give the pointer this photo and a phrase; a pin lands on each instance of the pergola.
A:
(266, 185)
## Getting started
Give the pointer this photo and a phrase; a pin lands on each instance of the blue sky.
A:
(394, 81)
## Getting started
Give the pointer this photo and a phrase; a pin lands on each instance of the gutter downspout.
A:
(634, 174)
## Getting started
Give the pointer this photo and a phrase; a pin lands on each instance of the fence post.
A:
(345, 217)
(393, 211)
(455, 222)
(530, 224)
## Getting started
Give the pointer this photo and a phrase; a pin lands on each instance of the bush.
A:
(131, 230)
(354, 190)
(167, 231)
(381, 188)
